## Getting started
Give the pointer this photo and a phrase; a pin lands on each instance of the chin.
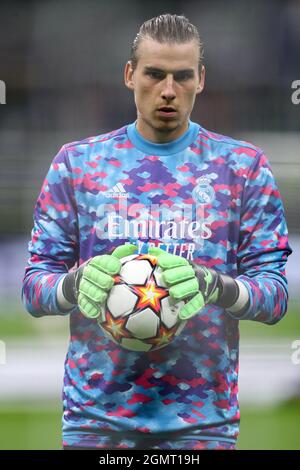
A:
(166, 126)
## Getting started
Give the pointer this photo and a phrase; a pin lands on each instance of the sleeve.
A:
(263, 246)
(54, 243)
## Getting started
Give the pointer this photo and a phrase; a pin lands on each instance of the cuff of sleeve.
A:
(62, 302)
(239, 310)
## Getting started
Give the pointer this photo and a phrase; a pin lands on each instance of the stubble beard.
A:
(162, 128)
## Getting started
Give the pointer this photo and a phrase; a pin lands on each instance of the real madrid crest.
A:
(203, 192)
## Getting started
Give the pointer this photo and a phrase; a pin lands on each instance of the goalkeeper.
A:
(211, 207)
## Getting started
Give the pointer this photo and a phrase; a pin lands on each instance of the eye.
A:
(155, 75)
(183, 76)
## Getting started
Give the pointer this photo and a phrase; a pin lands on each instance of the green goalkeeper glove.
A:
(196, 284)
(89, 285)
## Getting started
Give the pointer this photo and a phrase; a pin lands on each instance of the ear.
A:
(201, 81)
(128, 76)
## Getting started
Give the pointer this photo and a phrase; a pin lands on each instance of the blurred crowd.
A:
(62, 62)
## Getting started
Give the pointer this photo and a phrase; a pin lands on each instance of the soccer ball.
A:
(139, 314)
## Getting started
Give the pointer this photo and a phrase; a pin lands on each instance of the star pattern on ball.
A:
(150, 258)
(164, 337)
(149, 295)
(139, 314)
(116, 327)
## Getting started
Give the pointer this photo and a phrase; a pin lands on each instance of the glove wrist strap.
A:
(70, 285)
(224, 285)
(229, 291)
(63, 304)
(69, 288)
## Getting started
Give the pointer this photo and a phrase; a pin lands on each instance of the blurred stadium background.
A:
(62, 62)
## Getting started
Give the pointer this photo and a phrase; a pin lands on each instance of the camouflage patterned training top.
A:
(205, 197)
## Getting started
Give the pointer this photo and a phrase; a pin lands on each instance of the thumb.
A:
(155, 251)
(124, 250)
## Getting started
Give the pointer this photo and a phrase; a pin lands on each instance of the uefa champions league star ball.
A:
(139, 314)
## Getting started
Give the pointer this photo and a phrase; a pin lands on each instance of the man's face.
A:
(165, 84)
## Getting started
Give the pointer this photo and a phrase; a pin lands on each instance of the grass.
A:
(38, 426)
(270, 428)
(288, 326)
(30, 426)
(15, 322)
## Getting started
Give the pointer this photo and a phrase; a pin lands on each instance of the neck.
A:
(160, 136)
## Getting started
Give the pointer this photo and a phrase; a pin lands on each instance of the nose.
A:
(168, 91)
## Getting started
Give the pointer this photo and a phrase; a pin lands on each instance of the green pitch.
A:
(30, 426)
(15, 322)
(38, 426)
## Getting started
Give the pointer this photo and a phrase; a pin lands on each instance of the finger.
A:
(192, 307)
(98, 278)
(166, 260)
(124, 250)
(155, 251)
(106, 263)
(184, 289)
(93, 293)
(87, 308)
(177, 275)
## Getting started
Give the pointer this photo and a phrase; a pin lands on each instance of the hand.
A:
(90, 284)
(178, 274)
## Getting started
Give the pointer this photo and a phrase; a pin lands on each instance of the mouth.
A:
(167, 111)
